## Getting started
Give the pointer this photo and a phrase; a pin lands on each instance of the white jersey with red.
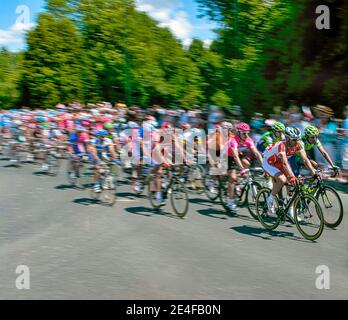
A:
(272, 163)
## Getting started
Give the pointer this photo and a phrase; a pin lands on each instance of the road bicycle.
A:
(172, 186)
(308, 216)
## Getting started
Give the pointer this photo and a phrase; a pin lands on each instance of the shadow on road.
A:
(12, 166)
(129, 195)
(148, 212)
(142, 211)
(205, 202)
(266, 234)
(212, 213)
(85, 201)
(40, 173)
(65, 187)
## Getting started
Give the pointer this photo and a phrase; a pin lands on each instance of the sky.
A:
(180, 16)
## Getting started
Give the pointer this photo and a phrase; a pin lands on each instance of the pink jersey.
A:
(242, 146)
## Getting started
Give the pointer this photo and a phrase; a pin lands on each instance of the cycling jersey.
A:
(266, 139)
(243, 147)
(272, 163)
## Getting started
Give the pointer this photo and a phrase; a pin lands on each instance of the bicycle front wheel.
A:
(251, 194)
(179, 198)
(331, 205)
(269, 217)
(309, 217)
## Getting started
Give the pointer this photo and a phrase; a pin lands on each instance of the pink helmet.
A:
(85, 123)
(243, 127)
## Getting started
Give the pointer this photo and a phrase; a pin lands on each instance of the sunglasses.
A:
(244, 132)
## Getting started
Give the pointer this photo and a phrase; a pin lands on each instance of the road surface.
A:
(76, 249)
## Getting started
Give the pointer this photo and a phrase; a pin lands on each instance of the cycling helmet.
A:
(17, 123)
(311, 131)
(293, 133)
(278, 126)
(108, 126)
(85, 123)
(101, 133)
(243, 127)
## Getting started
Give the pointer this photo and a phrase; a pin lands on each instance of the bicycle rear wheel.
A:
(251, 194)
(223, 195)
(270, 219)
(108, 195)
(211, 187)
(152, 194)
(309, 217)
(331, 205)
(179, 198)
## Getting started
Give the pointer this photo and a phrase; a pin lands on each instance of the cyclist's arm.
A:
(307, 162)
(257, 154)
(235, 154)
(93, 151)
(284, 159)
(326, 155)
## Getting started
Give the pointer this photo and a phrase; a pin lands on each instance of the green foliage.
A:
(274, 53)
(10, 73)
(267, 53)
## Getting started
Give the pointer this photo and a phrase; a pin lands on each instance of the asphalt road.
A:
(76, 249)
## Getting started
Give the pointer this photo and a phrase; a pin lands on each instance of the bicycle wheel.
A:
(195, 179)
(179, 198)
(152, 194)
(53, 165)
(308, 217)
(223, 194)
(94, 195)
(211, 187)
(331, 205)
(108, 195)
(270, 219)
(251, 193)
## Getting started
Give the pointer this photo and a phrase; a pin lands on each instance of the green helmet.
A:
(278, 126)
(311, 131)
(108, 126)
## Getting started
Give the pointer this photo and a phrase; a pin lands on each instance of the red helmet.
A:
(243, 127)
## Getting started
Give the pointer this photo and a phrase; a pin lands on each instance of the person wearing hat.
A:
(328, 133)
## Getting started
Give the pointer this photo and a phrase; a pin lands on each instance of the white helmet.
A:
(292, 132)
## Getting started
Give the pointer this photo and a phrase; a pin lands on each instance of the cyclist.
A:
(270, 137)
(100, 149)
(242, 149)
(311, 140)
(275, 162)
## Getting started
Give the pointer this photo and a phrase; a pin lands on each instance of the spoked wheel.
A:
(331, 205)
(85, 172)
(108, 195)
(137, 186)
(195, 179)
(74, 178)
(96, 196)
(179, 198)
(155, 204)
(309, 217)
(53, 165)
(270, 218)
(223, 195)
(251, 194)
(211, 187)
